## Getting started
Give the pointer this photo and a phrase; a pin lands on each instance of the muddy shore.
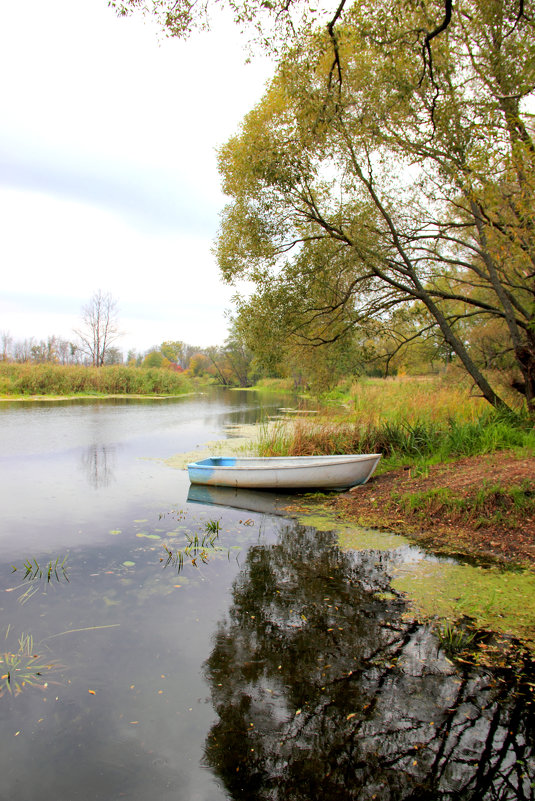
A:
(480, 506)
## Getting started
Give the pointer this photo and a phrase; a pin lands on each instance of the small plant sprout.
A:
(213, 527)
(454, 639)
(34, 571)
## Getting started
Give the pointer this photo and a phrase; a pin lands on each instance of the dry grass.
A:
(411, 398)
(410, 418)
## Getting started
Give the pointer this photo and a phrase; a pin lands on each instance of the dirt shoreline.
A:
(499, 530)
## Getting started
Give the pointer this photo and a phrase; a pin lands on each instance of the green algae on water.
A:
(355, 538)
(493, 598)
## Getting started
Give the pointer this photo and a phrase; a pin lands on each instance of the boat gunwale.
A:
(336, 460)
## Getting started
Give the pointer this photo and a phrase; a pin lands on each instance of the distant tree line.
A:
(256, 349)
(53, 349)
(230, 364)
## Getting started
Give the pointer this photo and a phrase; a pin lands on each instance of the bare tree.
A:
(6, 343)
(99, 327)
(22, 350)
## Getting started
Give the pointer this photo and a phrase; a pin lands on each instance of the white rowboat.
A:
(285, 472)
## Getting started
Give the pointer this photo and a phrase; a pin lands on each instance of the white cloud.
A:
(108, 171)
(58, 252)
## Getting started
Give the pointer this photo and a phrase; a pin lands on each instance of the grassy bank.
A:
(490, 502)
(25, 380)
(412, 422)
(455, 474)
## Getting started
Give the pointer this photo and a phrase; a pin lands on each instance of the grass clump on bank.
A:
(419, 442)
(24, 380)
(490, 504)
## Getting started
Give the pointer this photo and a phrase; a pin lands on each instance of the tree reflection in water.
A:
(98, 462)
(324, 690)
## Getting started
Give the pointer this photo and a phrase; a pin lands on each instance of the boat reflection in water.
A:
(262, 501)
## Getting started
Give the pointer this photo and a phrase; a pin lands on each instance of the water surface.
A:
(277, 666)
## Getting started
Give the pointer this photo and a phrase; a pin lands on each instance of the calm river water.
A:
(275, 665)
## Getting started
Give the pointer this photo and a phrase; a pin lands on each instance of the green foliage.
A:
(172, 350)
(277, 385)
(421, 441)
(155, 359)
(454, 639)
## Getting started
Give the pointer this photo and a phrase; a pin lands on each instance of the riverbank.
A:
(93, 396)
(46, 381)
(482, 506)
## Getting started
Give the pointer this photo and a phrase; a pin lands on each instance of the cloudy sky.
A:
(108, 178)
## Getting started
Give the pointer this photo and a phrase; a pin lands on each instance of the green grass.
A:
(416, 421)
(277, 385)
(454, 639)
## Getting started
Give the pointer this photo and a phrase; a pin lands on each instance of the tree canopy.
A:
(388, 170)
(382, 183)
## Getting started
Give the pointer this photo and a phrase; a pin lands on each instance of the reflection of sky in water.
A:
(141, 729)
(88, 480)
(283, 668)
(70, 472)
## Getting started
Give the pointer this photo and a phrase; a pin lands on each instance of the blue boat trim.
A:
(216, 461)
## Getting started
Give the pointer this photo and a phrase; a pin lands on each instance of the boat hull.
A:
(298, 472)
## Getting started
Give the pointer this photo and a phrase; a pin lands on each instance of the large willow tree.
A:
(390, 165)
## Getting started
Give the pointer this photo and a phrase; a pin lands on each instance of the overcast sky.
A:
(108, 176)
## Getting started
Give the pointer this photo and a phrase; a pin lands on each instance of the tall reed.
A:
(55, 379)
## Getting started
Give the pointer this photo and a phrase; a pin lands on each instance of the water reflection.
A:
(262, 501)
(324, 688)
(98, 462)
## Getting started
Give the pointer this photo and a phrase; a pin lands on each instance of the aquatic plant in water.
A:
(22, 668)
(34, 573)
(197, 548)
(454, 639)
(213, 527)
